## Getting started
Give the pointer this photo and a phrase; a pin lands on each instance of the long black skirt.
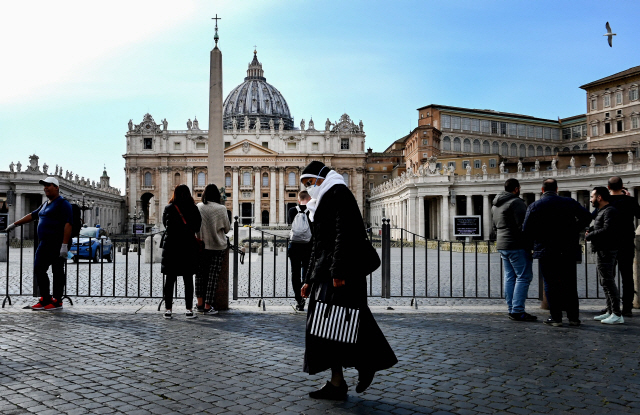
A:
(370, 353)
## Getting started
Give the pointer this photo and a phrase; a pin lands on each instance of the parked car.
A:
(88, 245)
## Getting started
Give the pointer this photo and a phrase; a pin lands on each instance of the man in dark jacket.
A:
(604, 236)
(508, 215)
(552, 224)
(628, 209)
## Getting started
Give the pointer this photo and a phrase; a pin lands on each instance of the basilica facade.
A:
(264, 155)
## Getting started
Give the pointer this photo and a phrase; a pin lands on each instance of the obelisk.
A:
(215, 162)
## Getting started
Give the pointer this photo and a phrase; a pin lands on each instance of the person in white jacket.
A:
(215, 226)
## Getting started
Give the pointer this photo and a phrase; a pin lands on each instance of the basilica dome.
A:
(256, 99)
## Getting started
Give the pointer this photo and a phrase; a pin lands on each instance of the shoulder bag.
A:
(199, 242)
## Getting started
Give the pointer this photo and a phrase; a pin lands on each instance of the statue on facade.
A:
(361, 126)
(501, 167)
(311, 124)
(33, 164)
(56, 173)
(327, 125)
(519, 166)
(537, 165)
(302, 125)
(93, 184)
(484, 169)
(609, 159)
(45, 168)
(165, 124)
(281, 126)
(572, 162)
(130, 125)
(246, 123)
(234, 123)
(256, 126)
(11, 167)
(630, 156)
(553, 164)
(468, 169)
(272, 127)
(451, 170)
(189, 124)
(77, 178)
(409, 172)
(195, 124)
(421, 170)
(592, 161)
(19, 166)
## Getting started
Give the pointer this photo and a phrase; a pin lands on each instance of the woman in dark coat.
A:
(341, 258)
(182, 220)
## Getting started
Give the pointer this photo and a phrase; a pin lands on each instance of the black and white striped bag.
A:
(335, 323)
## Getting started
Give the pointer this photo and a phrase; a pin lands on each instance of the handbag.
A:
(334, 322)
(371, 258)
(199, 242)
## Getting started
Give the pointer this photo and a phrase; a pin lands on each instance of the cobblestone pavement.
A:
(94, 360)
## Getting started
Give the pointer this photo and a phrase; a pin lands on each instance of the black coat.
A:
(606, 230)
(629, 210)
(339, 238)
(553, 223)
(180, 250)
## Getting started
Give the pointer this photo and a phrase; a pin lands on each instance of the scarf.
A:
(332, 179)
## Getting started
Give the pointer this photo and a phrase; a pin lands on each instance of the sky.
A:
(74, 72)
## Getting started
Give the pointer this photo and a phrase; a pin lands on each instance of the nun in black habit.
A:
(341, 258)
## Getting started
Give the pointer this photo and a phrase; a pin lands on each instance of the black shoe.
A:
(300, 306)
(328, 391)
(575, 323)
(200, 308)
(209, 311)
(604, 311)
(627, 313)
(552, 322)
(522, 317)
(364, 381)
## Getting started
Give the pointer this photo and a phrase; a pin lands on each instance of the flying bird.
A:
(609, 34)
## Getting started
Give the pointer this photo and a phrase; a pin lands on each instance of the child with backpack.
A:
(299, 246)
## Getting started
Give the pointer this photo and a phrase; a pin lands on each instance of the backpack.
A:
(300, 229)
(77, 220)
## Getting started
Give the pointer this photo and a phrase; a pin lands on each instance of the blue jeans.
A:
(517, 277)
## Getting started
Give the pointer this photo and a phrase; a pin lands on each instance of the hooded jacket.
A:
(508, 215)
(606, 231)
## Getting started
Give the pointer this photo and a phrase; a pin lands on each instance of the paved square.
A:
(92, 361)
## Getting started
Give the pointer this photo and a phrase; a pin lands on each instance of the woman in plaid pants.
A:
(215, 226)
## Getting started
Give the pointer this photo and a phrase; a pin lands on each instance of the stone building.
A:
(264, 155)
(22, 193)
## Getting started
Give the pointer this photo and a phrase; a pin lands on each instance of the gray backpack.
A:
(300, 229)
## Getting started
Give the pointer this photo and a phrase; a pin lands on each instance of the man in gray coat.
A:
(508, 215)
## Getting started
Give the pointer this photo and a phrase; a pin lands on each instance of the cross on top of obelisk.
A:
(216, 37)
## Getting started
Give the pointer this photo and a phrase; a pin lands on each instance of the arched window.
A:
(201, 179)
(584, 146)
(177, 180)
(495, 147)
(446, 144)
(486, 148)
(476, 146)
(523, 151)
(556, 150)
(514, 150)
(504, 149)
(227, 180)
(456, 144)
(547, 151)
(265, 180)
(345, 176)
(246, 178)
(292, 179)
(576, 147)
(531, 151)
(147, 179)
(467, 145)
(539, 151)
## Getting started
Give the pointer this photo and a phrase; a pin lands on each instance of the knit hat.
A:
(315, 169)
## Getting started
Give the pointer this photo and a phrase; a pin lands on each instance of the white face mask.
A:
(313, 191)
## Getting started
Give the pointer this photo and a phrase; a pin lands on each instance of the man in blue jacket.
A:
(552, 225)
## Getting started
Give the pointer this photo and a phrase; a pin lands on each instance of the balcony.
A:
(151, 187)
(246, 187)
(290, 188)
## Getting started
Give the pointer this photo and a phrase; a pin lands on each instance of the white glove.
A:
(10, 227)
(64, 251)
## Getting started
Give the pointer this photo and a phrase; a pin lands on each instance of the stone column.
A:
(574, 195)
(133, 190)
(272, 197)
(164, 193)
(412, 216)
(421, 218)
(444, 233)
(189, 171)
(257, 209)
(486, 218)
(236, 193)
(281, 206)
(537, 195)
(469, 205)
(17, 211)
(358, 187)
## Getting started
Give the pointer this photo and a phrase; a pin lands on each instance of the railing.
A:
(413, 267)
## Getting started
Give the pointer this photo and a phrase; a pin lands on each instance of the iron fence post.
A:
(235, 258)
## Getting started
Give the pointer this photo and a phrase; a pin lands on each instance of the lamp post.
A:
(85, 205)
(135, 216)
